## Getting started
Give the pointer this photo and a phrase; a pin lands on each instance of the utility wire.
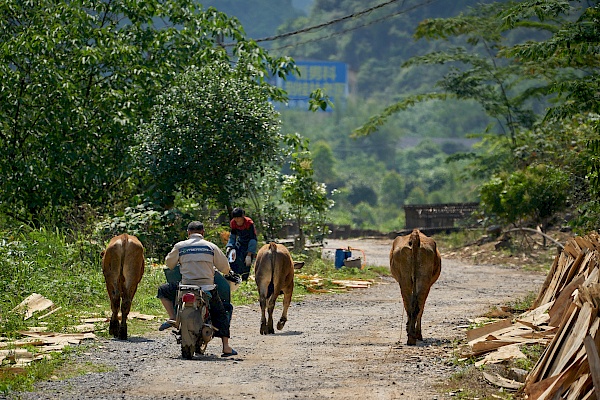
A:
(356, 27)
(319, 26)
(332, 22)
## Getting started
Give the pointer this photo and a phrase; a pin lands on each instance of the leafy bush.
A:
(157, 229)
(534, 194)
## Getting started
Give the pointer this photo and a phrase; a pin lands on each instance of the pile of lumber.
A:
(316, 284)
(569, 368)
(37, 344)
(502, 340)
(564, 318)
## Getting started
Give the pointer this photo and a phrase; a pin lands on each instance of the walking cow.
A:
(416, 263)
(123, 267)
(274, 275)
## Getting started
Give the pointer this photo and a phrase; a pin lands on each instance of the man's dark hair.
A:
(237, 212)
(195, 226)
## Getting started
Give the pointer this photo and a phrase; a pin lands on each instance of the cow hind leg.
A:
(411, 326)
(263, 318)
(129, 288)
(409, 307)
(287, 299)
(115, 303)
(125, 308)
(270, 308)
(422, 298)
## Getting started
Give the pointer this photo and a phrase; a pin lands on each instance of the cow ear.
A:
(298, 265)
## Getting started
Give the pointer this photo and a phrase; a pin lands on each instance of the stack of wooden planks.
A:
(501, 340)
(569, 368)
(564, 318)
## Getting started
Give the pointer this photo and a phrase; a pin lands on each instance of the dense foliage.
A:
(212, 130)
(503, 78)
(77, 78)
(82, 82)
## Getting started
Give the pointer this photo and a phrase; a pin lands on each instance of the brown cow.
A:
(123, 267)
(274, 274)
(416, 263)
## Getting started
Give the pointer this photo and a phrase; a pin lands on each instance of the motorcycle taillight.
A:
(188, 298)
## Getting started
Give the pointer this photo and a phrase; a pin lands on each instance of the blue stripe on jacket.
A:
(196, 250)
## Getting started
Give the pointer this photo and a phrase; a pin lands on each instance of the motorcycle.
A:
(193, 327)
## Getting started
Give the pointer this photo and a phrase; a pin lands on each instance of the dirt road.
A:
(348, 346)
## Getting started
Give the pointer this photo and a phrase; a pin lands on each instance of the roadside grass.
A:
(469, 383)
(67, 270)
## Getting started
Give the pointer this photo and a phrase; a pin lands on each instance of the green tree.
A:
(270, 211)
(478, 73)
(531, 195)
(324, 163)
(76, 79)
(571, 54)
(416, 196)
(364, 216)
(393, 189)
(306, 198)
(212, 131)
(504, 73)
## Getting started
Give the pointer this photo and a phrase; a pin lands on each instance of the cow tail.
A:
(123, 253)
(273, 249)
(416, 245)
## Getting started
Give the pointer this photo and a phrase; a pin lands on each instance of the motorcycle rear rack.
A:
(189, 287)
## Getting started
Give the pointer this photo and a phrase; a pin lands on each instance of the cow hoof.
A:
(113, 328)
(123, 332)
(281, 324)
(271, 330)
(411, 341)
(263, 330)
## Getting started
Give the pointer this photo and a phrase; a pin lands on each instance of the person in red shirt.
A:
(242, 243)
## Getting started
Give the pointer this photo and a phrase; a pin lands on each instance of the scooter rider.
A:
(196, 257)
(242, 244)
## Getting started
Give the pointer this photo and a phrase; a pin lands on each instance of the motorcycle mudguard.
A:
(191, 326)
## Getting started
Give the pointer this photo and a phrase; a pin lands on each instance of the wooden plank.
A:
(565, 378)
(589, 395)
(539, 371)
(22, 343)
(488, 345)
(593, 361)
(503, 354)
(34, 302)
(575, 340)
(485, 330)
(537, 316)
(554, 286)
(502, 382)
(556, 312)
(535, 390)
(578, 388)
(578, 266)
(541, 297)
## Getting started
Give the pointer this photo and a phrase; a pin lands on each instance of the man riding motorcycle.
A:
(197, 258)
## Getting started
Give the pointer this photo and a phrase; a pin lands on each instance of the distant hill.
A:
(303, 5)
(261, 18)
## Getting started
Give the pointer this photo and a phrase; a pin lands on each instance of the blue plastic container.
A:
(340, 256)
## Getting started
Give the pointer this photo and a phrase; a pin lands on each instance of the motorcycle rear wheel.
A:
(187, 352)
(201, 346)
